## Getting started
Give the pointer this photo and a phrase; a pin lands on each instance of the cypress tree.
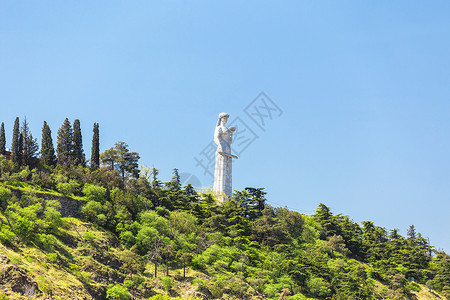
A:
(15, 153)
(95, 154)
(64, 143)
(20, 149)
(78, 154)
(30, 146)
(2, 139)
(47, 149)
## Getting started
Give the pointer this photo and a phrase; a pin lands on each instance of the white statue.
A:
(223, 140)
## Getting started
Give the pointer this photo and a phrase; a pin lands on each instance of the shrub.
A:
(167, 283)
(23, 226)
(7, 237)
(52, 257)
(318, 287)
(217, 289)
(91, 210)
(117, 292)
(89, 237)
(64, 188)
(127, 238)
(95, 192)
(45, 241)
(412, 286)
(202, 285)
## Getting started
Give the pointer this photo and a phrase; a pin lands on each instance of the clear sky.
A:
(361, 88)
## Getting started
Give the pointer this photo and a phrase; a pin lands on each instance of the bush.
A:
(89, 237)
(46, 242)
(7, 237)
(117, 292)
(412, 286)
(23, 226)
(91, 210)
(95, 192)
(167, 283)
(52, 257)
(318, 287)
(202, 285)
(217, 289)
(64, 188)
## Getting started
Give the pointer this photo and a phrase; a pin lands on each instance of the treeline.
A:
(69, 148)
(246, 247)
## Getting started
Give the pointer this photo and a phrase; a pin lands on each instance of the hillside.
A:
(72, 232)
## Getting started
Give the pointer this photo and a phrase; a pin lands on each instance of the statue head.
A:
(224, 116)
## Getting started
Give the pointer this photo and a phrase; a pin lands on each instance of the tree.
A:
(117, 292)
(2, 140)
(95, 151)
(47, 149)
(121, 159)
(411, 233)
(16, 155)
(77, 151)
(64, 143)
(30, 146)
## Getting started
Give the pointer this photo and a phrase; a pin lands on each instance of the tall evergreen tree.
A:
(64, 143)
(15, 144)
(95, 154)
(30, 146)
(47, 149)
(78, 154)
(2, 139)
(20, 149)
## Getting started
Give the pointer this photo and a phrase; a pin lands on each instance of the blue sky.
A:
(364, 90)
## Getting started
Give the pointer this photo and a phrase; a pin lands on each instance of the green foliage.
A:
(30, 146)
(121, 159)
(244, 247)
(23, 226)
(2, 139)
(64, 145)
(318, 287)
(95, 151)
(95, 192)
(47, 149)
(117, 292)
(16, 154)
(7, 237)
(167, 283)
(92, 210)
(77, 151)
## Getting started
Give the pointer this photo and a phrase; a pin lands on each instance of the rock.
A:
(19, 280)
(4, 259)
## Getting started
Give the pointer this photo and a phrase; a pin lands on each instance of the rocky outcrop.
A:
(18, 281)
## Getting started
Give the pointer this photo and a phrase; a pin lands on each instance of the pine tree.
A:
(15, 144)
(64, 143)
(121, 159)
(95, 154)
(2, 140)
(47, 149)
(30, 146)
(78, 154)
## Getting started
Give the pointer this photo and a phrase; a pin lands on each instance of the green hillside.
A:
(112, 230)
(242, 249)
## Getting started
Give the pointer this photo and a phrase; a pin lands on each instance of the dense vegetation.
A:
(138, 236)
